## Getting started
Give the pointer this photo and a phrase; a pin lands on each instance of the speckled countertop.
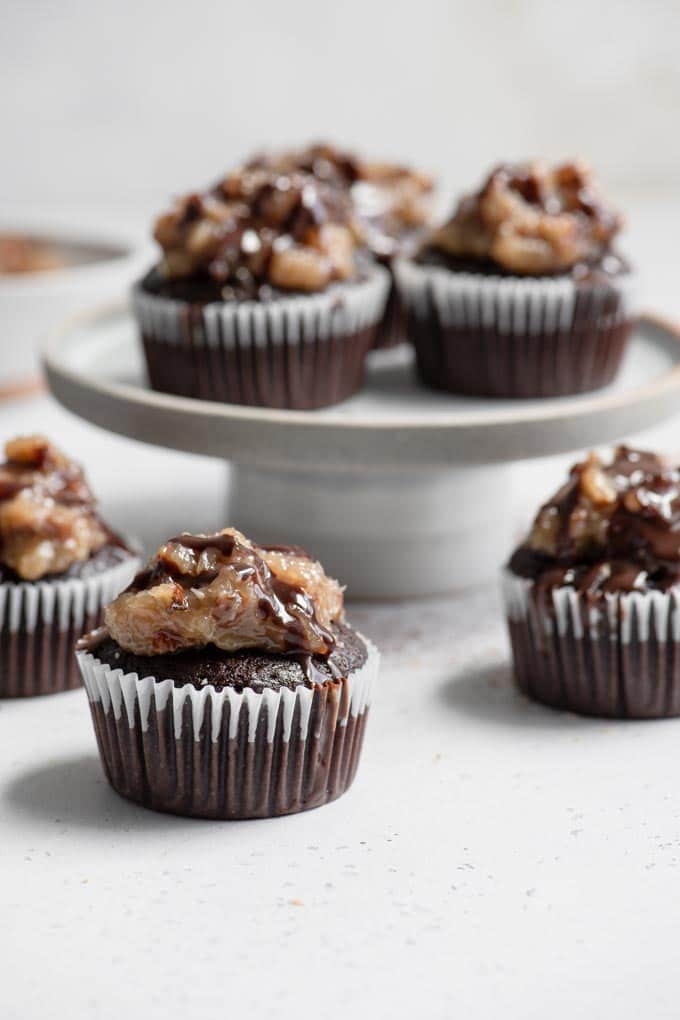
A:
(494, 859)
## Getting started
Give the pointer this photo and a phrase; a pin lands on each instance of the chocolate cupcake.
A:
(520, 294)
(226, 683)
(392, 207)
(593, 594)
(60, 564)
(262, 296)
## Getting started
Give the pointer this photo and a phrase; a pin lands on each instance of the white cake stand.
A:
(400, 491)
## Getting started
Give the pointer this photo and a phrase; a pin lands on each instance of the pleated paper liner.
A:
(300, 352)
(225, 754)
(615, 659)
(480, 335)
(41, 621)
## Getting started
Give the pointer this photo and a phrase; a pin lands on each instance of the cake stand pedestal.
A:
(399, 491)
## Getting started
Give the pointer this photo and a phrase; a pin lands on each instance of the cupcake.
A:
(593, 594)
(261, 296)
(392, 206)
(60, 564)
(226, 684)
(521, 294)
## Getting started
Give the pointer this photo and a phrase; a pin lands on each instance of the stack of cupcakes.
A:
(521, 293)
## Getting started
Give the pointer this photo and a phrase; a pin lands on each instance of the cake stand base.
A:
(386, 534)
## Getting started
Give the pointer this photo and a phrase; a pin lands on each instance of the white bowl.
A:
(95, 268)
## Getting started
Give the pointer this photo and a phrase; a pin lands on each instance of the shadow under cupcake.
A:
(226, 683)
(593, 595)
(60, 564)
(521, 294)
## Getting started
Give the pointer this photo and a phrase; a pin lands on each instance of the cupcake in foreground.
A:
(593, 594)
(262, 296)
(226, 683)
(392, 206)
(60, 564)
(521, 294)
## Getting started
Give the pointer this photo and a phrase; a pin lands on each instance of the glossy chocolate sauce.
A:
(611, 528)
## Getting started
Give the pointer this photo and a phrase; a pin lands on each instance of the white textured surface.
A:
(494, 859)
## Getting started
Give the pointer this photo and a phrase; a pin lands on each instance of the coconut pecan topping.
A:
(261, 226)
(223, 590)
(47, 511)
(390, 202)
(629, 508)
(532, 219)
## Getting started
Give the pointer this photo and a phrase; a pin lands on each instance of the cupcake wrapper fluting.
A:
(514, 337)
(620, 659)
(292, 352)
(223, 753)
(393, 325)
(41, 622)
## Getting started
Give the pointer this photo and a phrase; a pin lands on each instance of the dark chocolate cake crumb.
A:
(246, 669)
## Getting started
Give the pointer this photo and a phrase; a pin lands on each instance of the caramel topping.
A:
(261, 226)
(532, 219)
(629, 509)
(47, 511)
(225, 591)
(388, 201)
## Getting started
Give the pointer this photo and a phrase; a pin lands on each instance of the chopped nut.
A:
(298, 268)
(596, 485)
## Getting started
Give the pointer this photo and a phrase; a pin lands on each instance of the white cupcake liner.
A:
(224, 753)
(617, 657)
(41, 621)
(513, 337)
(511, 305)
(292, 352)
(343, 310)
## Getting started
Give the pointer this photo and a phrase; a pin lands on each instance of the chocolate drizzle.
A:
(49, 524)
(609, 529)
(221, 589)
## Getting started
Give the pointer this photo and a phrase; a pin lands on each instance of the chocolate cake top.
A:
(532, 219)
(48, 519)
(611, 526)
(224, 590)
(260, 226)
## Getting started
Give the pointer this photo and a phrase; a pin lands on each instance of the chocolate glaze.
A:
(638, 545)
(277, 598)
(246, 669)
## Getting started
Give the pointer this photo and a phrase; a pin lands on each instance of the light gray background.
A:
(125, 103)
